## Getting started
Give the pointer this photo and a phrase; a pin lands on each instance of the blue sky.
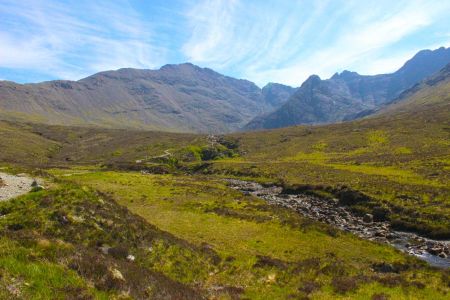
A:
(261, 40)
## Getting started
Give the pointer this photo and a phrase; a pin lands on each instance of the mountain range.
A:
(349, 95)
(188, 98)
(183, 98)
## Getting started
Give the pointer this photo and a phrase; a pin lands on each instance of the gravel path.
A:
(14, 186)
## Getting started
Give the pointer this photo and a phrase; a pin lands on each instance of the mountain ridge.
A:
(347, 94)
(183, 97)
(188, 98)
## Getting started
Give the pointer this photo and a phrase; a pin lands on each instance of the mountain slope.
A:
(431, 93)
(174, 98)
(415, 97)
(276, 94)
(398, 156)
(347, 94)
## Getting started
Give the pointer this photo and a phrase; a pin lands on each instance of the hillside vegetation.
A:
(206, 241)
(139, 214)
(400, 157)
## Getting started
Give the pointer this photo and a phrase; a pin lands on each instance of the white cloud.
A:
(288, 42)
(50, 38)
(212, 24)
(279, 41)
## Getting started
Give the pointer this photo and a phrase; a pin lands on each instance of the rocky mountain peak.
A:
(312, 80)
(344, 75)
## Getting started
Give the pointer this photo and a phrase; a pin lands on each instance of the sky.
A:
(263, 41)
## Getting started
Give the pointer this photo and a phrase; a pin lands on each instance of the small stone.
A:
(271, 278)
(116, 274)
(442, 255)
(368, 218)
(105, 249)
(380, 233)
(390, 236)
(434, 251)
(131, 257)
(384, 268)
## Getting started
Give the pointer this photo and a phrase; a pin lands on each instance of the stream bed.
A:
(436, 253)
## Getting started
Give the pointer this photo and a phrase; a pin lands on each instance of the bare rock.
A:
(116, 274)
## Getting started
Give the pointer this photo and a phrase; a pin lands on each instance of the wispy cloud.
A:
(278, 41)
(288, 42)
(59, 39)
(212, 26)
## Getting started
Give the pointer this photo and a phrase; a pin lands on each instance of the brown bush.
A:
(267, 261)
(120, 252)
(309, 287)
(343, 285)
(380, 296)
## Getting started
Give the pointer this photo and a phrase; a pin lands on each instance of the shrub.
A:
(343, 285)
(118, 252)
(309, 287)
(380, 296)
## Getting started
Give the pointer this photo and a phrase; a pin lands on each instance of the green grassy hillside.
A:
(206, 240)
(42, 145)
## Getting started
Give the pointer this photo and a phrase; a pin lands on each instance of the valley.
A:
(351, 210)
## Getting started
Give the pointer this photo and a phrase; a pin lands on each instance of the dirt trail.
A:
(166, 154)
(14, 186)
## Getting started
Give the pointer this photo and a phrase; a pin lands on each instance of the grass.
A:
(50, 249)
(399, 162)
(28, 279)
(265, 251)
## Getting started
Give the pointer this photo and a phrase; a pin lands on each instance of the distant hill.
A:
(348, 95)
(182, 98)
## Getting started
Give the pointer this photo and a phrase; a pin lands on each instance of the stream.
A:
(434, 252)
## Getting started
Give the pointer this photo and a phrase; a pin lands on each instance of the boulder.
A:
(384, 268)
(131, 257)
(434, 250)
(380, 233)
(368, 218)
(116, 274)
